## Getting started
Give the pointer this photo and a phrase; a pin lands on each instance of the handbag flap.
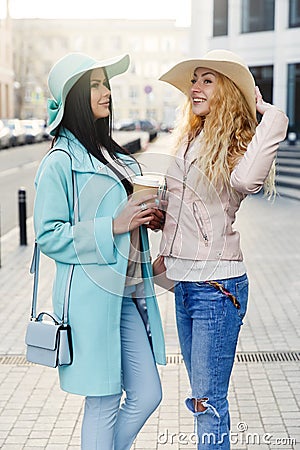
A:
(42, 334)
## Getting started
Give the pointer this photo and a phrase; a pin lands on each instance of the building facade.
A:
(153, 45)
(6, 63)
(266, 34)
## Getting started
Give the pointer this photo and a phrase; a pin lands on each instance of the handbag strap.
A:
(35, 263)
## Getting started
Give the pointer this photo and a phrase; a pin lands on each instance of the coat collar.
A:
(82, 161)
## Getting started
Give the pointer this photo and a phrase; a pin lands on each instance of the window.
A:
(220, 25)
(135, 44)
(151, 44)
(117, 91)
(257, 15)
(116, 43)
(264, 79)
(151, 69)
(168, 44)
(7, 102)
(151, 114)
(293, 103)
(134, 114)
(294, 18)
(133, 94)
(78, 43)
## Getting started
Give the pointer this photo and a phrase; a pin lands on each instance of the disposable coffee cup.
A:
(145, 185)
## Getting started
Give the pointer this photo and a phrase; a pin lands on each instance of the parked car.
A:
(4, 135)
(125, 125)
(17, 132)
(44, 129)
(134, 125)
(166, 128)
(146, 125)
(34, 133)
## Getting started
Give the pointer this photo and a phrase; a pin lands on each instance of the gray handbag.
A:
(49, 342)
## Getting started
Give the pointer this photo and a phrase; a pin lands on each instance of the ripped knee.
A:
(199, 404)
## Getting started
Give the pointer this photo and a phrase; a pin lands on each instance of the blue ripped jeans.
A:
(208, 327)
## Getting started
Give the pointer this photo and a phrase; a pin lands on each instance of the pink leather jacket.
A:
(199, 220)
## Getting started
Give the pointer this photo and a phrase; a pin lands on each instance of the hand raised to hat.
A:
(261, 105)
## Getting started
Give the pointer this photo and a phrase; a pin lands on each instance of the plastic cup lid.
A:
(146, 181)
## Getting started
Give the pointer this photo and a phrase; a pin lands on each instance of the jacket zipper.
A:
(200, 223)
(185, 175)
(179, 214)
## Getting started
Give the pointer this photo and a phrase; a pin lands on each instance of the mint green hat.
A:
(67, 71)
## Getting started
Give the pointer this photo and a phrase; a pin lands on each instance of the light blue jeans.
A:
(208, 327)
(107, 423)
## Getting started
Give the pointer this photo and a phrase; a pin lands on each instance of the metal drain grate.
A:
(14, 360)
(176, 358)
(267, 357)
(249, 357)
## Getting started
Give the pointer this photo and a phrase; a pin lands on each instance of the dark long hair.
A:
(78, 118)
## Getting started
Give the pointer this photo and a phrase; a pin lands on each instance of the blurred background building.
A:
(6, 63)
(266, 33)
(152, 44)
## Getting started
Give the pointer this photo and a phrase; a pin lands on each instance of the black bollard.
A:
(22, 216)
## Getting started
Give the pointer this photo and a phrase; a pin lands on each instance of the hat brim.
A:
(181, 75)
(113, 66)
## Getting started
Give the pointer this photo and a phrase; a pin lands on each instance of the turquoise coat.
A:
(100, 260)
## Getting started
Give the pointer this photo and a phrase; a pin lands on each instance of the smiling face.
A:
(100, 94)
(204, 83)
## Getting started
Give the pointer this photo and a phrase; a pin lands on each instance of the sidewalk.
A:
(264, 393)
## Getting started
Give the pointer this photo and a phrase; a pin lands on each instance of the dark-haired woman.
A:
(115, 348)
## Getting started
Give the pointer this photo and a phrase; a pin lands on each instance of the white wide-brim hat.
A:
(67, 71)
(223, 61)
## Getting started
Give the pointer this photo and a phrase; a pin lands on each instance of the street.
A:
(17, 169)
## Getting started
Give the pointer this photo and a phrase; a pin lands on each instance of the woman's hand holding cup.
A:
(145, 207)
(137, 211)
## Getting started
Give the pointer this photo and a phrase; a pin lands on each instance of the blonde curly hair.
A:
(227, 132)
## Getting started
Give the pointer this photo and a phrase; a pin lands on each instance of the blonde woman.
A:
(222, 155)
